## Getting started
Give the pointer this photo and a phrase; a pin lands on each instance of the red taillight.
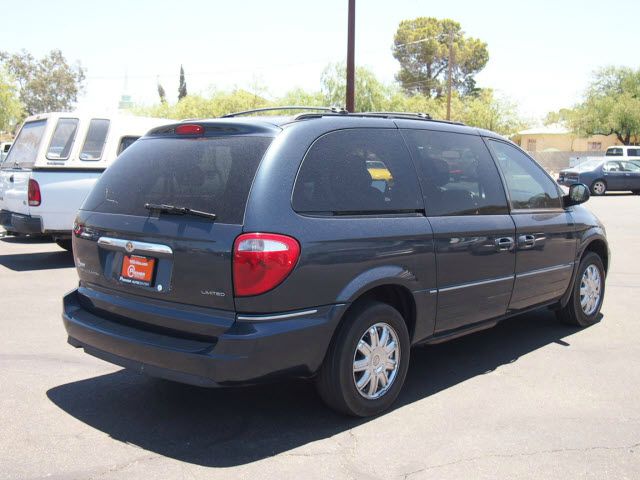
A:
(261, 261)
(34, 197)
(189, 129)
(78, 228)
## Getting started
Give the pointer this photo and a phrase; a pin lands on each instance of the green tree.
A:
(45, 85)
(161, 93)
(10, 107)
(563, 116)
(611, 105)
(371, 93)
(182, 88)
(196, 106)
(485, 110)
(302, 98)
(421, 46)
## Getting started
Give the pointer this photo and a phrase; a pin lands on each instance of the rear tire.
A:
(65, 245)
(599, 188)
(586, 299)
(386, 364)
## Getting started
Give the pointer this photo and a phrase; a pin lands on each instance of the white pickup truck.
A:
(54, 162)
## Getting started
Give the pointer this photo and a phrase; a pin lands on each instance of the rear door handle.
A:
(504, 244)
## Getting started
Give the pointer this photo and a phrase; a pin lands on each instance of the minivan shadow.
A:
(25, 262)
(229, 427)
(26, 239)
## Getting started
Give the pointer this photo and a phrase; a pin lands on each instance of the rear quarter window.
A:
(126, 142)
(357, 171)
(633, 152)
(209, 174)
(62, 140)
(95, 140)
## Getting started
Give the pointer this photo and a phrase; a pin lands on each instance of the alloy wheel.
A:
(590, 289)
(376, 361)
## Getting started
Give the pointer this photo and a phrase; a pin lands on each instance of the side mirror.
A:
(578, 193)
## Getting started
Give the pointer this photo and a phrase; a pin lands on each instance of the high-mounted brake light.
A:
(189, 129)
(33, 193)
(261, 262)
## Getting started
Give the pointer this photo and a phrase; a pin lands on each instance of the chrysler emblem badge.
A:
(129, 247)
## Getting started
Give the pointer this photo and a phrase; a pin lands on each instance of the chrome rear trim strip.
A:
(131, 246)
(260, 318)
(545, 270)
(475, 284)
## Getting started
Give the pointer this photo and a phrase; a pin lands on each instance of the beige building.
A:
(556, 138)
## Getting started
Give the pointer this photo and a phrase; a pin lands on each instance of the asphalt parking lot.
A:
(530, 398)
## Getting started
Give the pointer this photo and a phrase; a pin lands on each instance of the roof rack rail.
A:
(389, 115)
(420, 115)
(335, 110)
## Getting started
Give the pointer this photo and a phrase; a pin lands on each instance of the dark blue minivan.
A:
(323, 245)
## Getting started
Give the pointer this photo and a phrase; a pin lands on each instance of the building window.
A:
(594, 146)
(531, 145)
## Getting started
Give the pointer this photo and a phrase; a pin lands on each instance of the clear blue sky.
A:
(541, 52)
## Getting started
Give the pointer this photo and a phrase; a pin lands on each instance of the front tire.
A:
(586, 299)
(367, 362)
(598, 188)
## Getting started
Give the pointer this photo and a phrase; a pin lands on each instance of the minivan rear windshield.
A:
(25, 148)
(208, 174)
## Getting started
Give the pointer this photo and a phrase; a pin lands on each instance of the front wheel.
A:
(367, 362)
(586, 299)
(599, 187)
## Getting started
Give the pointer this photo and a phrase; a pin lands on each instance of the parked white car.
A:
(4, 150)
(54, 162)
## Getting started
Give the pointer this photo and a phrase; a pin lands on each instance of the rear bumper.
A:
(19, 223)
(249, 351)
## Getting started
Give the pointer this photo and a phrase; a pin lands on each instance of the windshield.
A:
(25, 148)
(208, 174)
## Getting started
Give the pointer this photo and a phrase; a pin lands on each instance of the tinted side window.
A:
(529, 187)
(613, 167)
(630, 167)
(126, 142)
(614, 152)
(357, 171)
(62, 140)
(95, 140)
(457, 173)
(633, 152)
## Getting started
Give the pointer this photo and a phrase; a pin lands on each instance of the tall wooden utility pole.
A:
(449, 72)
(351, 68)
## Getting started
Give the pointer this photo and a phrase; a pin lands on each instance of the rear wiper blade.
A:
(173, 210)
